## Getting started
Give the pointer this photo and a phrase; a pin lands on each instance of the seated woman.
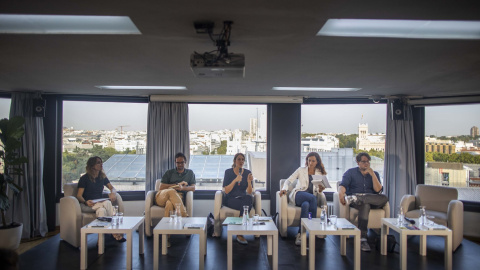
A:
(90, 187)
(303, 193)
(238, 186)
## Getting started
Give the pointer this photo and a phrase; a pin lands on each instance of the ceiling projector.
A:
(210, 66)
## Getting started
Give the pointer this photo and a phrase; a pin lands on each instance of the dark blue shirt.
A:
(92, 190)
(237, 190)
(355, 182)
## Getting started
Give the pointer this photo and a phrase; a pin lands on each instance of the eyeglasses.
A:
(365, 161)
(99, 162)
(182, 162)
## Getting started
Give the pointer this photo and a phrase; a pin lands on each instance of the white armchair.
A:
(351, 214)
(220, 212)
(154, 213)
(289, 215)
(71, 216)
(440, 202)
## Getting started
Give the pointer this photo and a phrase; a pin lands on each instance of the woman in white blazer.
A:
(303, 193)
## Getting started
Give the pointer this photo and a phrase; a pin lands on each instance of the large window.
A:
(116, 132)
(218, 132)
(452, 148)
(338, 132)
(4, 107)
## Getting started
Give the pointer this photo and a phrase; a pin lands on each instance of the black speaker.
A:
(39, 108)
(398, 112)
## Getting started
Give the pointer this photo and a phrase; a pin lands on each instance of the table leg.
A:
(275, 252)
(101, 243)
(201, 250)
(229, 251)
(343, 245)
(423, 245)
(403, 251)
(448, 251)
(164, 244)
(383, 240)
(303, 249)
(155, 250)
(205, 244)
(141, 238)
(269, 244)
(129, 250)
(83, 251)
(357, 251)
(311, 251)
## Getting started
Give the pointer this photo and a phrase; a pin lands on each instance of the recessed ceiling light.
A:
(401, 29)
(123, 87)
(315, 89)
(65, 24)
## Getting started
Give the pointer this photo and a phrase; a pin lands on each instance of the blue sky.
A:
(440, 120)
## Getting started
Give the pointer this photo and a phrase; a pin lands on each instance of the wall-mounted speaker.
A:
(39, 108)
(398, 110)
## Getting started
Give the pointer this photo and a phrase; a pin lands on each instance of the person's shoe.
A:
(350, 199)
(298, 240)
(364, 246)
(241, 240)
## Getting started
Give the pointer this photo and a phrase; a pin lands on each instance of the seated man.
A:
(173, 185)
(362, 187)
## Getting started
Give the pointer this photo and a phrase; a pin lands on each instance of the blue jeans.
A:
(308, 203)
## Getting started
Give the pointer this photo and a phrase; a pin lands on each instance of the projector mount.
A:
(221, 41)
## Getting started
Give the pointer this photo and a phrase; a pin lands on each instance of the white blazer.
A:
(302, 175)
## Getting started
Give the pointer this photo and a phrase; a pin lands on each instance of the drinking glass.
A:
(173, 216)
(178, 207)
(120, 217)
(333, 220)
(114, 220)
(255, 218)
(429, 220)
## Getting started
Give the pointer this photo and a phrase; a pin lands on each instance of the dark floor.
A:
(57, 254)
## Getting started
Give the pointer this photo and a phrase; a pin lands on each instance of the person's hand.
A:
(320, 188)
(89, 203)
(341, 196)
(112, 196)
(370, 171)
(282, 192)
(250, 177)
(183, 184)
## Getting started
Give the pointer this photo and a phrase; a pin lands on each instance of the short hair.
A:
(363, 154)
(180, 154)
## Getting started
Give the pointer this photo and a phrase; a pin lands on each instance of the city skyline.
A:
(450, 120)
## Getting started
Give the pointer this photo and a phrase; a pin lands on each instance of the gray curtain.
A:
(30, 203)
(167, 134)
(400, 177)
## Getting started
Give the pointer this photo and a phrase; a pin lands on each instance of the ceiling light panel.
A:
(420, 29)
(331, 89)
(63, 24)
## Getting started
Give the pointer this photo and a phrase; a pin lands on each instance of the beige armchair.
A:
(440, 202)
(351, 214)
(288, 214)
(154, 213)
(220, 212)
(71, 216)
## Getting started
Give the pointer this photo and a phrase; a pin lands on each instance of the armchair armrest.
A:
(70, 220)
(455, 222)
(408, 203)
(257, 202)
(119, 202)
(282, 205)
(386, 208)
(216, 213)
(189, 203)
(340, 210)
(149, 201)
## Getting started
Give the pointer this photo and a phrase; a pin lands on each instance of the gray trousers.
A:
(364, 203)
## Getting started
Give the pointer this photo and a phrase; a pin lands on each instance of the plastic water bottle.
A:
(400, 217)
(245, 215)
(423, 215)
(323, 216)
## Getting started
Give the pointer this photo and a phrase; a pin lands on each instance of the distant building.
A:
(319, 143)
(474, 131)
(446, 174)
(367, 142)
(439, 146)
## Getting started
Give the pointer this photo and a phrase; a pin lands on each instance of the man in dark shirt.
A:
(362, 187)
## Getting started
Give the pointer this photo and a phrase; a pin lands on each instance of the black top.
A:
(239, 189)
(92, 190)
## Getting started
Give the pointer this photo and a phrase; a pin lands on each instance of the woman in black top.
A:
(238, 187)
(90, 187)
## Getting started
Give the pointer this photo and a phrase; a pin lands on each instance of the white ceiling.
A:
(278, 39)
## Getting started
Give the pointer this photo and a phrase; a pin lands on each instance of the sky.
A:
(450, 120)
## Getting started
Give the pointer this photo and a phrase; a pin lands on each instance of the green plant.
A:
(11, 131)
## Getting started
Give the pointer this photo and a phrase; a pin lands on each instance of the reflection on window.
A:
(354, 129)
(217, 133)
(116, 132)
(452, 149)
